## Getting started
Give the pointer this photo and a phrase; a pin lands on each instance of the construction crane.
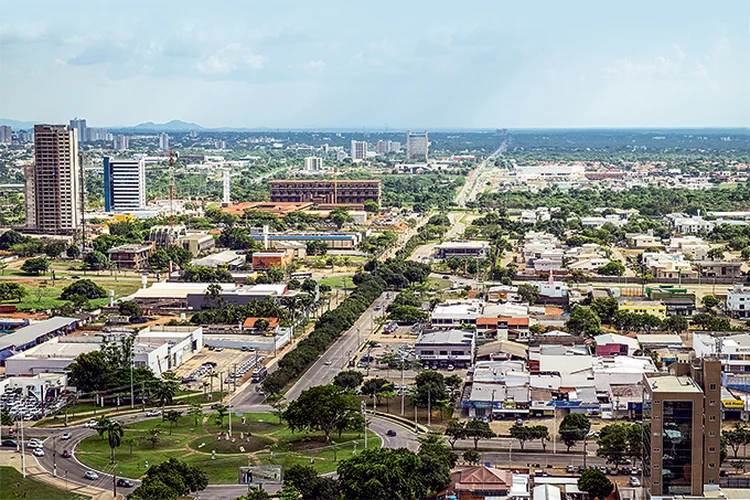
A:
(171, 189)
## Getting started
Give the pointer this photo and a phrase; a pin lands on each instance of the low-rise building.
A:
(738, 301)
(484, 483)
(690, 224)
(197, 244)
(641, 241)
(655, 308)
(719, 269)
(664, 265)
(478, 249)
(267, 260)
(132, 255)
(456, 313)
(229, 258)
(34, 334)
(445, 347)
(692, 246)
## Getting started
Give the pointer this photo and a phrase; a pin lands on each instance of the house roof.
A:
(480, 478)
(250, 322)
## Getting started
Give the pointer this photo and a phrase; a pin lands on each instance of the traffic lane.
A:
(335, 358)
(404, 437)
(525, 459)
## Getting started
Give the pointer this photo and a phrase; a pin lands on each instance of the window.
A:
(712, 418)
(712, 402)
(712, 449)
(711, 434)
(711, 465)
(712, 387)
(657, 450)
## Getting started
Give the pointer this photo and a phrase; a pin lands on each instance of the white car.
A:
(34, 443)
(66, 436)
(153, 413)
(634, 481)
(38, 452)
(90, 424)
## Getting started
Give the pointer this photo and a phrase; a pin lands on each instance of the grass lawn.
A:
(195, 444)
(439, 283)
(40, 294)
(13, 485)
(337, 281)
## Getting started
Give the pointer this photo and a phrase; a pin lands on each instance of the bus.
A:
(301, 276)
(259, 373)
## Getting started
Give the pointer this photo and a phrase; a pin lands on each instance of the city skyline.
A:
(586, 66)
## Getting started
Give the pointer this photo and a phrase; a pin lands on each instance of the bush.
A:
(83, 288)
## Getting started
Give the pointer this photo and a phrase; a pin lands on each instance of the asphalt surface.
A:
(343, 349)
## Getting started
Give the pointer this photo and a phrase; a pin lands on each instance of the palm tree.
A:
(211, 376)
(114, 431)
(195, 411)
(164, 392)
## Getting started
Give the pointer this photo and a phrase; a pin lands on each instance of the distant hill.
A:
(16, 125)
(171, 126)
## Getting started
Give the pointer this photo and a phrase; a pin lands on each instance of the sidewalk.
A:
(37, 472)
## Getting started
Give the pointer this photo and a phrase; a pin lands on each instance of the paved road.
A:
(423, 253)
(472, 187)
(344, 348)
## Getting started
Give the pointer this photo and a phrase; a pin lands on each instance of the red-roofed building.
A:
(499, 327)
(478, 483)
(249, 323)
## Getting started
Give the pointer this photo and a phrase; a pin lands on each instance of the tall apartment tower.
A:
(5, 134)
(359, 150)
(80, 125)
(164, 142)
(417, 146)
(124, 185)
(54, 182)
(682, 429)
(121, 142)
(227, 195)
(313, 164)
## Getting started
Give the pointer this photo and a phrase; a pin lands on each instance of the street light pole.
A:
(364, 417)
(132, 394)
(403, 389)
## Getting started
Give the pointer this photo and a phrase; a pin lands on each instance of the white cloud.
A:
(315, 66)
(229, 59)
(676, 64)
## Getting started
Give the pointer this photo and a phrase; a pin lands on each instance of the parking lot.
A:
(26, 407)
(226, 360)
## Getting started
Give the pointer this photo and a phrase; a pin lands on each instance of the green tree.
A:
(528, 293)
(159, 260)
(605, 308)
(5, 417)
(324, 408)
(573, 428)
(84, 288)
(613, 443)
(154, 435)
(130, 308)
(172, 416)
(164, 391)
(454, 431)
(316, 247)
(716, 253)
(472, 456)
(595, 483)
(540, 432)
(179, 255)
(261, 324)
(236, 238)
(169, 480)
(371, 206)
(520, 432)
(349, 379)
(53, 249)
(430, 386)
(310, 485)
(613, 268)
(35, 266)
(737, 436)
(709, 301)
(96, 261)
(340, 216)
(90, 371)
(382, 474)
(478, 430)
(114, 431)
(254, 493)
(73, 252)
(12, 291)
(583, 321)
(195, 412)
(221, 412)
(676, 324)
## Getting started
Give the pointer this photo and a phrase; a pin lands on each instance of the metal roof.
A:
(32, 332)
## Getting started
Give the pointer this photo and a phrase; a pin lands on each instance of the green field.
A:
(337, 281)
(41, 294)
(13, 485)
(262, 438)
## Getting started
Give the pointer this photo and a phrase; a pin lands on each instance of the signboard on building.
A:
(733, 404)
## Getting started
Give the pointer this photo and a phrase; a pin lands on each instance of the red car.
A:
(66, 453)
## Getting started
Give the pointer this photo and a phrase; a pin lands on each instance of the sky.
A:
(388, 64)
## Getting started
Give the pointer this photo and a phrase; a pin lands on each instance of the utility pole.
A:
(114, 483)
(235, 379)
(23, 452)
(403, 389)
(364, 415)
(132, 394)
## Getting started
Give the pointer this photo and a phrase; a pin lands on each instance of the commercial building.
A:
(417, 145)
(478, 249)
(383, 147)
(197, 243)
(485, 483)
(445, 347)
(719, 269)
(229, 258)
(164, 142)
(732, 350)
(359, 150)
(325, 191)
(166, 236)
(132, 255)
(738, 301)
(341, 241)
(267, 260)
(655, 308)
(121, 142)
(32, 335)
(124, 185)
(79, 124)
(240, 295)
(313, 164)
(53, 191)
(456, 313)
(682, 416)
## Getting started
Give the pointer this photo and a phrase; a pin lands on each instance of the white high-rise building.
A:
(384, 147)
(417, 146)
(359, 150)
(227, 187)
(313, 164)
(53, 182)
(5, 134)
(121, 142)
(164, 142)
(124, 185)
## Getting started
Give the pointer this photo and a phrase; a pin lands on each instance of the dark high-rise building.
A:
(325, 191)
(682, 429)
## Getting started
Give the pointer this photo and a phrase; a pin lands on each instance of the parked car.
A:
(723, 473)
(391, 432)
(625, 471)
(125, 483)
(634, 481)
(9, 442)
(66, 436)
(570, 469)
(89, 474)
(38, 452)
(581, 468)
(66, 453)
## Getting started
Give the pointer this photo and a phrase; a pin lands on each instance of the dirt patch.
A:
(248, 444)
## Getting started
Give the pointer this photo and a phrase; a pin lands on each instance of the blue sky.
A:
(435, 64)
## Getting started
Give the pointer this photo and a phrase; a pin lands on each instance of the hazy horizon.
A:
(336, 66)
